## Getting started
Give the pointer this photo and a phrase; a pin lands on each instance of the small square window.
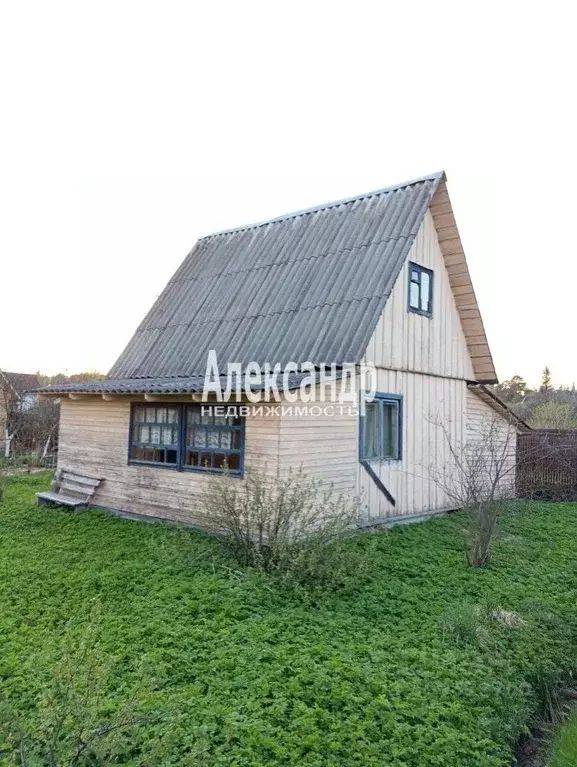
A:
(420, 290)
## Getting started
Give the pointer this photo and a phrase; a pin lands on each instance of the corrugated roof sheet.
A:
(307, 286)
(187, 385)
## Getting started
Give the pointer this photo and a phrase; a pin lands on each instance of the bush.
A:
(291, 524)
(483, 519)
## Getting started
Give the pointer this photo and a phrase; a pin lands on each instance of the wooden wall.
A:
(407, 341)
(432, 422)
(325, 446)
(94, 441)
(490, 432)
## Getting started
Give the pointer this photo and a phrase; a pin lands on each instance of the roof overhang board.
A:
(462, 286)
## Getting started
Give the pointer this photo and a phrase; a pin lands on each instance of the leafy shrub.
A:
(291, 525)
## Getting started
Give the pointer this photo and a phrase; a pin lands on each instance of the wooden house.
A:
(380, 278)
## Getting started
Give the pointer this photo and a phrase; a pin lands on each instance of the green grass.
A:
(413, 668)
(564, 749)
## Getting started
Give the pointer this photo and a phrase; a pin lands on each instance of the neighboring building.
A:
(16, 393)
(378, 278)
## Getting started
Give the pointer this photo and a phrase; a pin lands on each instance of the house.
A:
(16, 394)
(380, 279)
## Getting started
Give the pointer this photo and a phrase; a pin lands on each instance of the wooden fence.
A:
(547, 464)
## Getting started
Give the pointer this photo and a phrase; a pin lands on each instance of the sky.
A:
(129, 129)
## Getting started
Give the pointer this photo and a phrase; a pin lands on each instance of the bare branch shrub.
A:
(480, 478)
(290, 524)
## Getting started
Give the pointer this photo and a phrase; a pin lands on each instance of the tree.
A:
(546, 385)
(554, 415)
(512, 391)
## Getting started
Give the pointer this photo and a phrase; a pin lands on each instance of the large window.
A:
(420, 290)
(381, 428)
(183, 437)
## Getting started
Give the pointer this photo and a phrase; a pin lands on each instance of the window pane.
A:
(370, 447)
(172, 415)
(212, 438)
(143, 434)
(199, 438)
(220, 461)
(233, 462)
(139, 414)
(155, 435)
(137, 453)
(150, 414)
(168, 435)
(389, 417)
(193, 415)
(171, 456)
(161, 415)
(425, 291)
(415, 275)
(226, 439)
(414, 295)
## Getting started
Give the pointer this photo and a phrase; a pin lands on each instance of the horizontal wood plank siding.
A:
(325, 446)
(482, 421)
(94, 441)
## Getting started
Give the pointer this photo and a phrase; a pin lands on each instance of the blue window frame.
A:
(182, 437)
(420, 290)
(381, 429)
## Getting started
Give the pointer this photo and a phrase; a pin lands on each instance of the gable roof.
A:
(19, 383)
(308, 286)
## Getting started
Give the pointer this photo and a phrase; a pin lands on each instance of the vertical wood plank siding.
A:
(406, 341)
(94, 441)
(426, 360)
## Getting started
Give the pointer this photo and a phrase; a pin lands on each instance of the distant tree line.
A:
(546, 407)
(62, 378)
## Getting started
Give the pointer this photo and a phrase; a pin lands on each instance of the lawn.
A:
(564, 747)
(425, 662)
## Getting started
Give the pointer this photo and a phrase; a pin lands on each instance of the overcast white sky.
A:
(130, 128)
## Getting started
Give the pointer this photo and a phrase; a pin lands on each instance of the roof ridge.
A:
(438, 176)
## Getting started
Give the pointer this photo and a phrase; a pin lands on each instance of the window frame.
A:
(382, 399)
(413, 267)
(181, 447)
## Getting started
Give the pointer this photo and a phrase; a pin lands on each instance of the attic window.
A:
(420, 290)
(183, 437)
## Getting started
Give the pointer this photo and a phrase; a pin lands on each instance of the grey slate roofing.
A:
(308, 286)
(186, 385)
